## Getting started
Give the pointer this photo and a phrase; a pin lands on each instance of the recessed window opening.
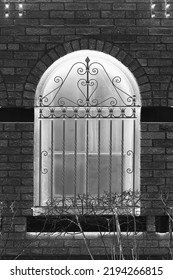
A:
(87, 129)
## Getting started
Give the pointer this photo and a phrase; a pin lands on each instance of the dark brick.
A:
(14, 30)
(27, 166)
(76, 6)
(9, 151)
(24, 127)
(60, 14)
(166, 127)
(99, 6)
(10, 135)
(153, 165)
(113, 14)
(10, 181)
(152, 181)
(153, 135)
(138, 14)
(162, 143)
(37, 31)
(10, 166)
(146, 173)
(35, 15)
(62, 31)
(163, 158)
(163, 173)
(49, 39)
(88, 31)
(153, 127)
(124, 6)
(27, 22)
(87, 14)
(153, 150)
(51, 6)
(101, 22)
(160, 31)
(20, 143)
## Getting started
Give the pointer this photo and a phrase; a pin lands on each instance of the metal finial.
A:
(87, 60)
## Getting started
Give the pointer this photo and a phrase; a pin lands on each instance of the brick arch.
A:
(3, 92)
(107, 47)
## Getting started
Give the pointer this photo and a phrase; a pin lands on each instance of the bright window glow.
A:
(87, 130)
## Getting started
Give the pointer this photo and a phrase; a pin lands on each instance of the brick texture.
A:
(28, 46)
(46, 24)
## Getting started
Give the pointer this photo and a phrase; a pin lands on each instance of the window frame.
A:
(38, 105)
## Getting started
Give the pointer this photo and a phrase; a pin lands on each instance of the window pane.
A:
(58, 180)
(116, 135)
(110, 156)
(58, 135)
(81, 123)
(81, 174)
(104, 135)
(93, 135)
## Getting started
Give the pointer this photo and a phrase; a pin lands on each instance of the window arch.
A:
(87, 128)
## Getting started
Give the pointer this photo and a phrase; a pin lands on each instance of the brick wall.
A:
(47, 24)
(16, 169)
(156, 166)
(48, 30)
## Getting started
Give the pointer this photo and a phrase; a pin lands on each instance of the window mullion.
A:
(98, 159)
(87, 151)
(134, 152)
(75, 161)
(110, 158)
(63, 161)
(40, 160)
(122, 157)
(52, 159)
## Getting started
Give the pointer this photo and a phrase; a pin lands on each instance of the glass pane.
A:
(116, 174)
(81, 174)
(58, 135)
(104, 173)
(58, 180)
(81, 135)
(69, 135)
(104, 135)
(116, 135)
(93, 136)
(93, 174)
(69, 175)
(75, 165)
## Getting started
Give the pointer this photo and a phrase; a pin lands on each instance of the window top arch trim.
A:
(79, 79)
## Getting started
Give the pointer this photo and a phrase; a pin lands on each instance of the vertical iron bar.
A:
(52, 159)
(75, 161)
(110, 158)
(40, 161)
(63, 162)
(87, 79)
(98, 160)
(134, 153)
(87, 150)
(122, 157)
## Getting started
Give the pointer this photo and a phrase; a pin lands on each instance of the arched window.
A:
(87, 128)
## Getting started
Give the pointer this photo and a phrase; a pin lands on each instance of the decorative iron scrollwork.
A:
(87, 86)
(130, 153)
(75, 112)
(44, 170)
